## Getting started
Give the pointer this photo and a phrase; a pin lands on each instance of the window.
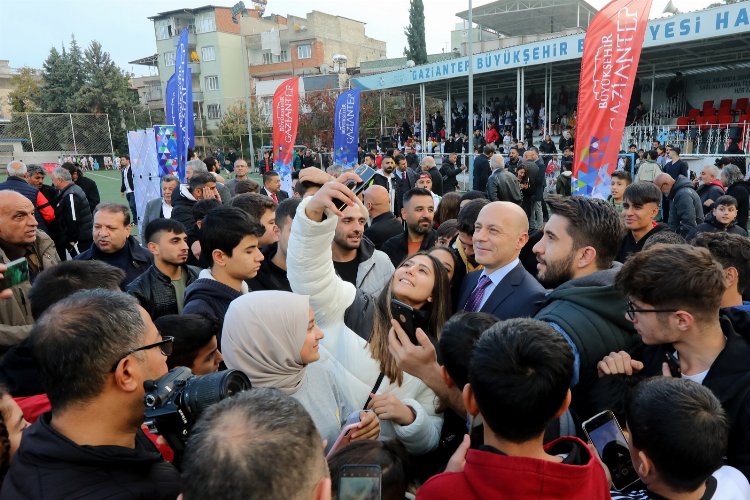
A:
(213, 111)
(205, 23)
(163, 30)
(267, 58)
(212, 83)
(208, 53)
(304, 51)
(282, 57)
(169, 58)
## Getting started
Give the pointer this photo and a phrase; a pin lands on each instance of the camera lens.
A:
(205, 390)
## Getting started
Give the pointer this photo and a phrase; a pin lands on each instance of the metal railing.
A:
(693, 138)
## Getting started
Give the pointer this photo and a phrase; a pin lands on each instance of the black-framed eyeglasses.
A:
(631, 310)
(165, 345)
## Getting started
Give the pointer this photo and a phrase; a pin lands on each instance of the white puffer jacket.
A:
(310, 272)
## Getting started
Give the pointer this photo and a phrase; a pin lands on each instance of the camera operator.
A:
(91, 444)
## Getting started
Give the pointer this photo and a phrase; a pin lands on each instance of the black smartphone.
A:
(406, 317)
(16, 272)
(360, 482)
(366, 174)
(612, 447)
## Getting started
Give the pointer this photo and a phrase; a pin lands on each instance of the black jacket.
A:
(73, 220)
(709, 192)
(685, 207)
(182, 211)
(90, 190)
(210, 299)
(714, 226)
(49, 466)
(449, 171)
(481, 173)
(130, 179)
(382, 228)
(741, 191)
(676, 169)
(140, 260)
(397, 247)
(437, 181)
(629, 246)
(155, 291)
(728, 378)
(270, 276)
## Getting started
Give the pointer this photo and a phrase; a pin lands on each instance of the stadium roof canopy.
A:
(531, 17)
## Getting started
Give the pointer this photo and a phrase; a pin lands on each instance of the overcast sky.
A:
(31, 27)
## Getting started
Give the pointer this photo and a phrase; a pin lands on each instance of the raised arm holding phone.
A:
(403, 403)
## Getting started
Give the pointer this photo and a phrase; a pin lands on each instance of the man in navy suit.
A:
(503, 288)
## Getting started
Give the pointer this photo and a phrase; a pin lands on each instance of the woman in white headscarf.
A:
(272, 337)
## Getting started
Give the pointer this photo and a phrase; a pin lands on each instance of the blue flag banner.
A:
(184, 107)
(346, 129)
(170, 100)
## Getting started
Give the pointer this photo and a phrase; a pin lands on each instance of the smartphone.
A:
(16, 272)
(404, 314)
(612, 447)
(360, 482)
(344, 439)
(366, 174)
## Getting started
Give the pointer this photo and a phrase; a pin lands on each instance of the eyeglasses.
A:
(165, 345)
(631, 310)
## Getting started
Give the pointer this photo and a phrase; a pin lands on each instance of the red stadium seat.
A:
(742, 104)
(725, 119)
(726, 104)
(707, 105)
(707, 122)
(683, 121)
(694, 113)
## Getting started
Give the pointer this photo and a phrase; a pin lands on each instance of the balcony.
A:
(195, 68)
(197, 96)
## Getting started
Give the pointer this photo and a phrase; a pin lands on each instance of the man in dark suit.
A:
(127, 187)
(482, 169)
(272, 187)
(383, 224)
(503, 288)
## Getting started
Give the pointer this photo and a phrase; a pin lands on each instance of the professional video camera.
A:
(175, 401)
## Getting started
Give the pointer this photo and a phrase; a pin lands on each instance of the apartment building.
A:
(215, 56)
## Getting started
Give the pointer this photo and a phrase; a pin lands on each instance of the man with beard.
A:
(418, 213)
(514, 160)
(354, 256)
(576, 259)
(386, 178)
(113, 243)
(161, 288)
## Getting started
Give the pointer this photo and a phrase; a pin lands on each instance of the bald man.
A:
(19, 238)
(503, 288)
(383, 224)
(428, 166)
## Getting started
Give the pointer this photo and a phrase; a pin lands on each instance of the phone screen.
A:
(359, 482)
(612, 447)
(16, 272)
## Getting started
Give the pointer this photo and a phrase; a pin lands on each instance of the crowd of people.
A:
(454, 342)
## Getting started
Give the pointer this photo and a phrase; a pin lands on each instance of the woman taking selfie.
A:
(368, 373)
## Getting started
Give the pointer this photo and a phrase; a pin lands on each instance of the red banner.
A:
(611, 51)
(285, 116)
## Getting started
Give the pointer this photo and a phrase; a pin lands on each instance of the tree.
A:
(417, 48)
(25, 93)
(53, 96)
(105, 89)
(232, 131)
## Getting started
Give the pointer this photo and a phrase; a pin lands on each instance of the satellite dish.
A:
(670, 8)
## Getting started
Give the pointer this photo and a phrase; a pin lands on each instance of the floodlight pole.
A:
(470, 113)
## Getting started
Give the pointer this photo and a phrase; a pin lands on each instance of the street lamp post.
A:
(239, 9)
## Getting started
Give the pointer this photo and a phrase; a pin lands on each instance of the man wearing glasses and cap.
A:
(91, 443)
(674, 294)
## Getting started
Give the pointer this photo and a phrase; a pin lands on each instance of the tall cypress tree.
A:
(417, 47)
